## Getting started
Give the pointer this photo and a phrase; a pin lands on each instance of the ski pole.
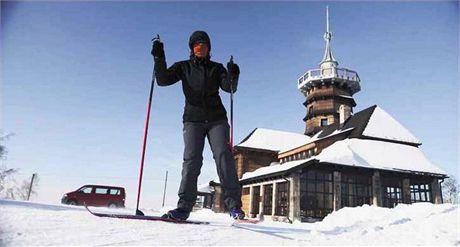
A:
(231, 109)
(146, 129)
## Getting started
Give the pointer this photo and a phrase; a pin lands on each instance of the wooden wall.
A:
(251, 160)
(245, 199)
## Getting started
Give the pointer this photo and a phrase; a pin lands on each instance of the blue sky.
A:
(75, 78)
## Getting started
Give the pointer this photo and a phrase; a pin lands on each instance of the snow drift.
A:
(25, 223)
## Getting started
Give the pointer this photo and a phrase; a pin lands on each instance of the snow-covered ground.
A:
(26, 223)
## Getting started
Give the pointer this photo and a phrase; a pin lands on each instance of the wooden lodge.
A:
(343, 159)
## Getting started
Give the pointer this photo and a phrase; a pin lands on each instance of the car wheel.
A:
(73, 202)
(113, 205)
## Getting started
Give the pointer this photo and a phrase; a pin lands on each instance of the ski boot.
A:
(237, 213)
(177, 214)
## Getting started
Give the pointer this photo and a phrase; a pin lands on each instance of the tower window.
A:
(309, 110)
(323, 121)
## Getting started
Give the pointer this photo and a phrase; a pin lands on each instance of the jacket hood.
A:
(199, 36)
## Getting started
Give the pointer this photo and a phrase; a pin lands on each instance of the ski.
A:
(250, 221)
(145, 217)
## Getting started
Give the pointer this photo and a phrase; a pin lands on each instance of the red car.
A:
(96, 195)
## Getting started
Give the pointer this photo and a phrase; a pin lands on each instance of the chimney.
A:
(344, 113)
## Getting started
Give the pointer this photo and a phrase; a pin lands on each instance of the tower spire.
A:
(328, 59)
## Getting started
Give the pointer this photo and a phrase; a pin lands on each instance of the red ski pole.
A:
(144, 144)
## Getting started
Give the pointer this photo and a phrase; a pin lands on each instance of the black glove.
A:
(233, 68)
(157, 49)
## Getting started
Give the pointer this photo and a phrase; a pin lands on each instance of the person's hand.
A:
(233, 68)
(157, 49)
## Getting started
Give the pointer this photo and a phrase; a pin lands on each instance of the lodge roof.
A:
(373, 139)
(373, 123)
(357, 122)
(272, 140)
(371, 154)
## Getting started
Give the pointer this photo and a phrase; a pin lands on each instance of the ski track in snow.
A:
(26, 223)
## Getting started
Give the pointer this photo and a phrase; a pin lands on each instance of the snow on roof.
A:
(383, 125)
(316, 138)
(274, 168)
(363, 153)
(378, 155)
(346, 96)
(205, 188)
(273, 140)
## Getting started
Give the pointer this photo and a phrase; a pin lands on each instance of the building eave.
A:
(389, 170)
(389, 140)
(240, 148)
(283, 173)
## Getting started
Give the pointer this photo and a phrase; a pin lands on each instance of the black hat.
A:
(199, 37)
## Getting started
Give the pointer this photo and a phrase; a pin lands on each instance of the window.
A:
(199, 201)
(255, 199)
(282, 193)
(356, 190)
(391, 196)
(316, 193)
(268, 197)
(102, 191)
(114, 192)
(420, 193)
(323, 121)
(309, 110)
(391, 190)
(86, 190)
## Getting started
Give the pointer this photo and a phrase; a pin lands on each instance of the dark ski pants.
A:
(218, 137)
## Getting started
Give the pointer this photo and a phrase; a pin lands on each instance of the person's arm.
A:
(164, 76)
(229, 80)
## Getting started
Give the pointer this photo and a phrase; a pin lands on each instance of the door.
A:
(84, 195)
(101, 196)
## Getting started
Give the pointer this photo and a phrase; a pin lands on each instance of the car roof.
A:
(104, 186)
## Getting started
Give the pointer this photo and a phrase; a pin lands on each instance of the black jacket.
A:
(201, 81)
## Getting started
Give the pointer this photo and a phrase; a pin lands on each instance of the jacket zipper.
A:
(204, 94)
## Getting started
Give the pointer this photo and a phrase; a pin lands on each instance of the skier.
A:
(204, 116)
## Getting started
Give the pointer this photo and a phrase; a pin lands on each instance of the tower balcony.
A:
(333, 75)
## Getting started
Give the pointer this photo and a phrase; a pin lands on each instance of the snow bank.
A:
(24, 223)
(415, 224)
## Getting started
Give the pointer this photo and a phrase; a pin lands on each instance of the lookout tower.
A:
(328, 90)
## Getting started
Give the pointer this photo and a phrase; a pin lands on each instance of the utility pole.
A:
(31, 184)
(164, 191)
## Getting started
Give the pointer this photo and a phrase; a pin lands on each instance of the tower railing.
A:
(327, 73)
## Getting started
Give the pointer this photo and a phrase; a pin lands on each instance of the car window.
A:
(101, 190)
(114, 191)
(86, 190)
